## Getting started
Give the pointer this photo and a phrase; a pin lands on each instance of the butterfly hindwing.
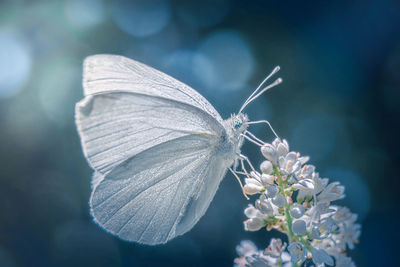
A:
(159, 193)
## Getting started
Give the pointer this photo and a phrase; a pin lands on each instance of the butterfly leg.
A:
(252, 140)
(255, 138)
(245, 158)
(240, 183)
(244, 171)
(266, 122)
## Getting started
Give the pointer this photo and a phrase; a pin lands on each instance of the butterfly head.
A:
(232, 140)
(238, 123)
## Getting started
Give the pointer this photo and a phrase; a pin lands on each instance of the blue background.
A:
(339, 103)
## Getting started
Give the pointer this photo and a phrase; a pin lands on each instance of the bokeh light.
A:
(57, 98)
(200, 14)
(231, 61)
(86, 13)
(186, 66)
(15, 63)
(141, 18)
(6, 259)
(358, 198)
(315, 136)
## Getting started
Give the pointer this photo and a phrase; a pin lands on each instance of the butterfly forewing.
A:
(116, 126)
(110, 73)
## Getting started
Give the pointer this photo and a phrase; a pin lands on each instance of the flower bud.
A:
(267, 179)
(252, 189)
(266, 167)
(283, 148)
(251, 212)
(299, 227)
(315, 233)
(296, 210)
(320, 257)
(271, 191)
(265, 207)
(253, 224)
(279, 200)
(269, 152)
(275, 248)
(297, 252)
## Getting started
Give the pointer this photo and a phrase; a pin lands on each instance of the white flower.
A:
(249, 255)
(299, 227)
(269, 152)
(256, 219)
(332, 192)
(264, 206)
(253, 224)
(303, 160)
(246, 248)
(257, 260)
(320, 257)
(267, 179)
(323, 232)
(322, 229)
(289, 164)
(282, 147)
(319, 185)
(279, 200)
(343, 214)
(344, 261)
(275, 248)
(305, 185)
(296, 210)
(306, 172)
(253, 184)
(350, 233)
(271, 191)
(317, 211)
(266, 167)
(273, 151)
(256, 182)
(297, 252)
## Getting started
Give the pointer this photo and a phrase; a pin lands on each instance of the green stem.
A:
(289, 218)
(289, 223)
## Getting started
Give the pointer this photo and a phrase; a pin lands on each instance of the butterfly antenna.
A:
(277, 81)
(253, 96)
(275, 70)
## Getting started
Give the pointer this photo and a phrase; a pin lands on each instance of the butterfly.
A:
(159, 149)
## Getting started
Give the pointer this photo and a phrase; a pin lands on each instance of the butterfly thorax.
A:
(232, 140)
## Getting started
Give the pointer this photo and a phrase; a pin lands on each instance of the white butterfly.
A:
(158, 148)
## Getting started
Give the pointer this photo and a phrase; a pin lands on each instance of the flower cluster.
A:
(294, 200)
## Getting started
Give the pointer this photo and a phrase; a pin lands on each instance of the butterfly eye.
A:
(237, 124)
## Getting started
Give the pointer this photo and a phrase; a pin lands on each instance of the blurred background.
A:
(339, 103)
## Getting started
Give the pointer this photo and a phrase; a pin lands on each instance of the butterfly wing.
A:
(153, 143)
(161, 192)
(130, 107)
(112, 73)
(116, 126)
